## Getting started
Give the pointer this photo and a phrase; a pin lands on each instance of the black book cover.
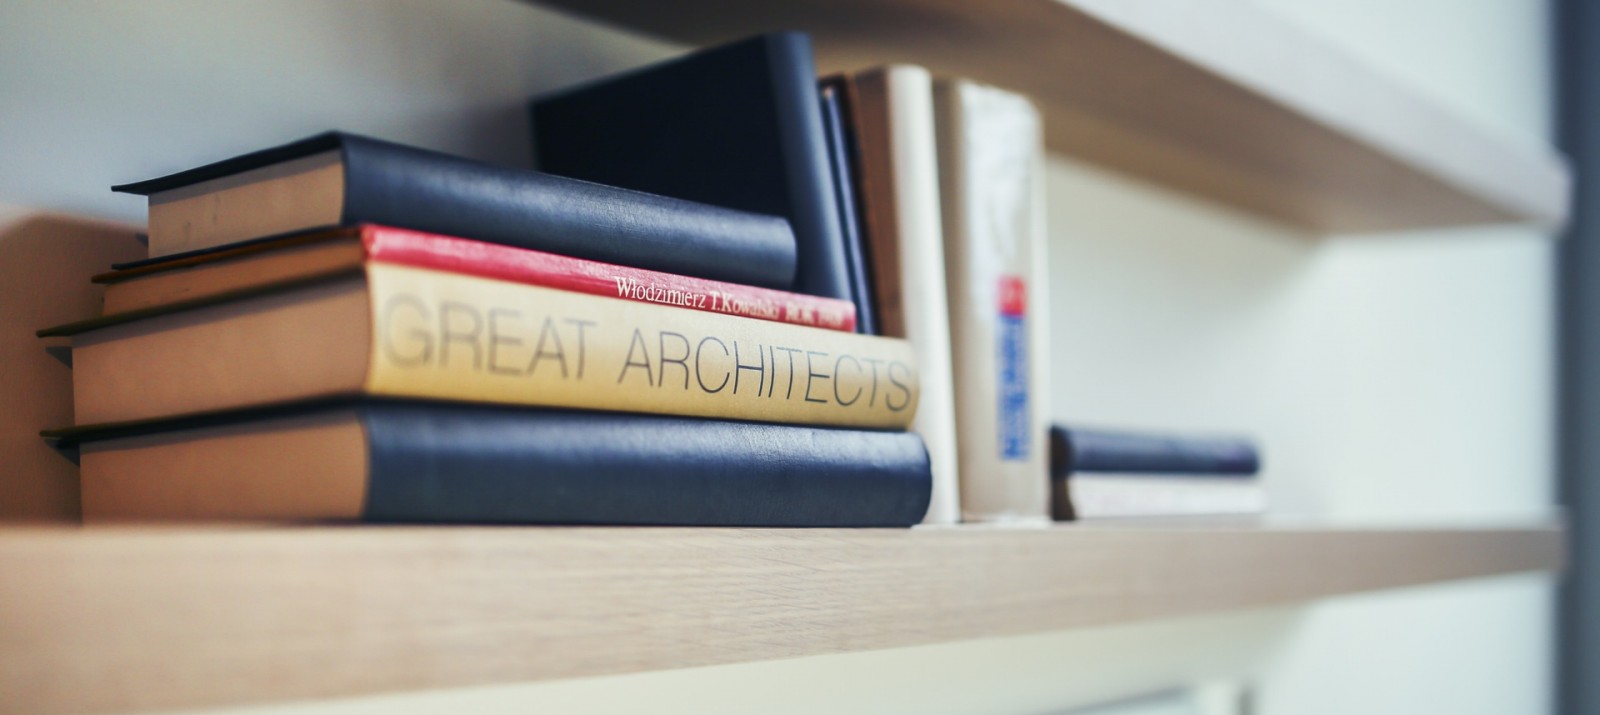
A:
(469, 463)
(842, 160)
(1077, 449)
(737, 126)
(407, 187)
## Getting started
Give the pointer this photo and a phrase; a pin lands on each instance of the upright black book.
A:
(737, 126)
(404, 461)
(842, 158)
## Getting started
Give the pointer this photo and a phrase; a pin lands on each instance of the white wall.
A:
(1401, 377)
(1444, 388)
(99, 93)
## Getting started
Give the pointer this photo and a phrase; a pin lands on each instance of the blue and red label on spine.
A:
(1015, 430)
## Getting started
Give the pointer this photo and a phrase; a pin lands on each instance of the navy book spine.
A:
(842, 159)
(1075, 449)
(468, 463)
(737, 126)
(406, 187)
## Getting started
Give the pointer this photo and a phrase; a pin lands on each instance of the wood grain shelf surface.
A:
(99, 619)
(1218, 98)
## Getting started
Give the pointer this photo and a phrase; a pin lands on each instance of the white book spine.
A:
(991, 174)
(899, 156)
(1098, 496)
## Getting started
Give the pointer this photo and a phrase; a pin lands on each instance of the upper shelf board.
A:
(1217, 98)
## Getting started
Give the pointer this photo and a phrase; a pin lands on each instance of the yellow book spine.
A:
(449, 336)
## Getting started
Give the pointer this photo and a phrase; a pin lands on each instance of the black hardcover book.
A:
(737, 126)
(403, 461)
(342, 179)
(842, 160)
(1074, 450)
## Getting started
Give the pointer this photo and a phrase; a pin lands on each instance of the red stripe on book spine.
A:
(521, 265)
(1013, 296)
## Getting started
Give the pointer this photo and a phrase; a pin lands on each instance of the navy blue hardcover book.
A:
(737, 126)
(405, 461)
(343, 179)
(842, 160)
(1076, 450)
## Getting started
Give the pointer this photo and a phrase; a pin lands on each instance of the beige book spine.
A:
(459, 337)
(899, 166)
(991, 163)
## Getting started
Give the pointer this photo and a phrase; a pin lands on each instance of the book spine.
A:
(841, 153)
(1077, 450)
(991, 156)
(449, 336)
(892, 110)
(401, 186)
(824, 267)
(520, 265)
(468, 463)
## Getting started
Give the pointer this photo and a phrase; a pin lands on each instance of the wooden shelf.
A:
(96, 619)
(1214, 97)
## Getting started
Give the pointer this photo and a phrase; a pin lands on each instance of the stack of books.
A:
(344, 328)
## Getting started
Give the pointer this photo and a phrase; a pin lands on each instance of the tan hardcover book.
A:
(892, 112)
(990, 167)
(337, 179)
(212, 275)
(302, 467)
(410, 332)
(277, 198)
